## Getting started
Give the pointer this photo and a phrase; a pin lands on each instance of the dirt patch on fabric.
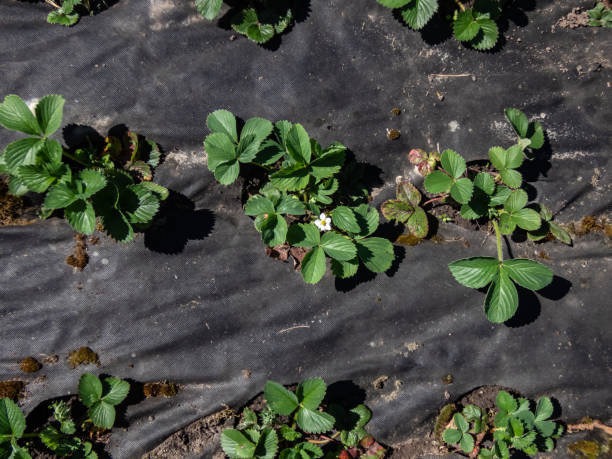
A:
(578, 17)
(82, 356)
(12, 389)
(201, 437)
(13, 208)
(30, 365)
(160, 389)
(79, 258)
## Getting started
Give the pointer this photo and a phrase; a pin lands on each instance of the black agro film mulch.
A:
(196, 301)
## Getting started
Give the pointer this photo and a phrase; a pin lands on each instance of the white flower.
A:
(323, 222)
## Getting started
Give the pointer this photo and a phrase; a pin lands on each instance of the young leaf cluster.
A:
(600, 16)
(496, 196)
(291, 425)
(259, 21)
(476, 26)
(68, 12)
(514, 427)
(112, 184)
(405, 208)
(301, 198)
(100, 397)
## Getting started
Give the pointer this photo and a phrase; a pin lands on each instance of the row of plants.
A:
(305, 198)
(475, 23)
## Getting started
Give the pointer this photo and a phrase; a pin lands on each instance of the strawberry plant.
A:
(64, 435)
(68, 12)
(491, 194)
(475, 25)
(259, 20)
(111, 183)
(306, 202)
(514, 427)
(294, 425)
(600, 16)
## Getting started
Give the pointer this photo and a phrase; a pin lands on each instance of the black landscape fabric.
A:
(195, 300)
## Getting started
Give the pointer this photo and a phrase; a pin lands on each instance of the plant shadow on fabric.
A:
(440, 27)
(269, 14)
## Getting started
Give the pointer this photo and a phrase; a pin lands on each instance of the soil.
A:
(14, 210)
(30, 365)
(12, 389)
(79, 258)
(160, 389)
(82, 356)
(578, 17)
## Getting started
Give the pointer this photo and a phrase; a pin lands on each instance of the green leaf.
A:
(267, 446)
(328, 164)
(313, 265)
(544, 409)
(16, 186)
(219, 149)
(292, 178)
(511, 178)
(462, 190)
(345, 219)
(517, 427)
(269, 153)
(345, 269)
(49, 113)
(298, 144)
(115, 390)
(465, 26)
(560, 233)
(477, 207)
(417, 13)
(485, 182)
(303, 235)
(258, 127)
(528, 273)
(546, 428)
(40, 177)
(397, 210)
(12, 420)
(467, 443)
(498, 157)
(514, 157)
(209, 8)
(438, 182)
(536, 135)
(417, 224)
(474, 272)
(290, 205)
(59, 197)
(236, 445)
(117, 225)
(528, 219)
(376, 253)
(452, 436)
(453, 163)
(93, 180)
(501, 301)
(472, 412)
(258, 204)
(60, 17)
(81, 216)
(394, 3)
(367, 218)
(409, 193)
(90, 389)
(487, 36)
(505, 401)
(518, 120)
(281, 400)
(102, 414)
(289, 434)
(274, 230)
(161, 191)
(501, 195)
(224, 122)
(460, 422)
(315, 422)
(310, 393)
(23, 152)
(338, 247)
(227, 173)
(516, 201)
(15, 115)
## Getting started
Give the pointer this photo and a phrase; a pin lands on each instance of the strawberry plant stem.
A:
(53, 4)
(500, 255)
(74, 158)
(434, 200)
(460, 5)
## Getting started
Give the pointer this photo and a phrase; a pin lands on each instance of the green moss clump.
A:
(584, 448)
(11, 389)
(30, 365)
(160, 389)
(446, 413)
(82, 356)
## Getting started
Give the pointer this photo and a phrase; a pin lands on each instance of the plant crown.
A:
(99, 396)
(112, 183)
(292, 424)
(476, 26)
(260, 21)
(306, 187)
(493, 195)
(514, 427)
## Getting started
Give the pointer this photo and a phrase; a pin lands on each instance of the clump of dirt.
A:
(584, 448)
(283, 252)
(51, 359)
(11, 389)
(30, 365)
(446, 413)
(12, 207)
(160, 389)
(578, 17)
(379, 382)
(591, 224)
(393, 134)
(447, 379)
(79, 257)
(82, 356)
(408, 239)
(202, 438)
